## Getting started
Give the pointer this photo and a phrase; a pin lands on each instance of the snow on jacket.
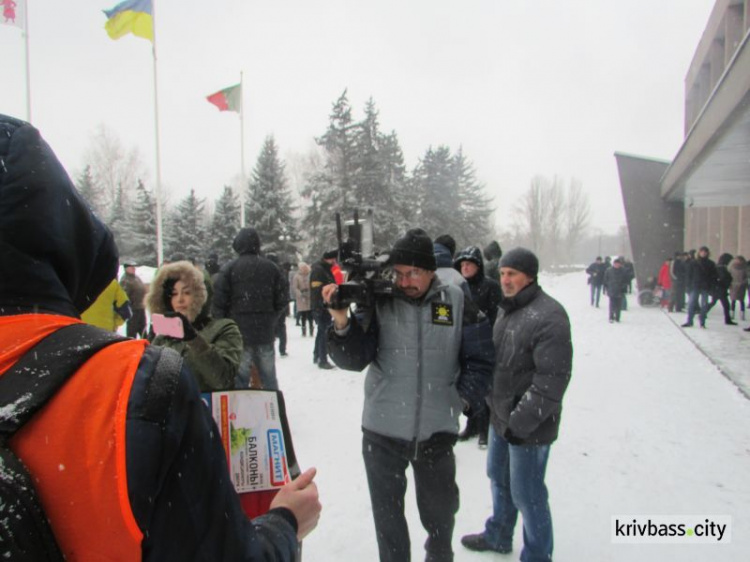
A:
(250, 290)
(213, 356)
(485, 292)
(534, 358)
(174, 497)
(110, 310)
(427, 359)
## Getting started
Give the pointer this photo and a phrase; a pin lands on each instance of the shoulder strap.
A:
(161, 385)
(42, 371)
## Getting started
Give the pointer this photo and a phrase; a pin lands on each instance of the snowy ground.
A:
(650, 427)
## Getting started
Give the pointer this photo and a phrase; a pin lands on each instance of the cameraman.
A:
(430, 357)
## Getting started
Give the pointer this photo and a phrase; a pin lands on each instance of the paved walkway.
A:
(727, 347)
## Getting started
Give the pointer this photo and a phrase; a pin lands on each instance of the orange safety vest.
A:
(74, 447)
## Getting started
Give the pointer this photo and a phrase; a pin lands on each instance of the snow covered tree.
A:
(269, 207)
(225, 224)
(475, 209)
(118, 224)
(437, 196)
(89, 190)
(186, 231)
(142, 228)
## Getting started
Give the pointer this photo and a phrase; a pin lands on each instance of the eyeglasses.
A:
(410, 275)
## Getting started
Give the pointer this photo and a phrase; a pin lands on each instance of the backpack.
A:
(25, 533)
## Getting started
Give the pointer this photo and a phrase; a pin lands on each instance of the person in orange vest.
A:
(114, 482)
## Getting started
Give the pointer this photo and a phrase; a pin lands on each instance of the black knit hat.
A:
(522, 260)
(415, 249)
(447, 241)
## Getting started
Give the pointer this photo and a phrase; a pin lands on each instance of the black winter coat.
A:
(485, 292)
(250, 291)
(703, 274)
(616, 281)
(320, 276)
(533, 363)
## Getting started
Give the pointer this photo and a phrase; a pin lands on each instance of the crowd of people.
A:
(150, 480)
(689, 282)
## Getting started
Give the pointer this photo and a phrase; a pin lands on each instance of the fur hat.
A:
(415, 249)
(160, 291)
(522, 260)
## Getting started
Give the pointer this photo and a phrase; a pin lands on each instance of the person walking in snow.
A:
(130, 480)
(250, 290)
(616, 282)
(720, 290)
(738, 288)
(430, 356)
(596, 280)
(534, 357)
(702, 279)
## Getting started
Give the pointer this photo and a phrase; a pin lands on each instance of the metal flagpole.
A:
(159, 242)
(26, 45)
(243, 182)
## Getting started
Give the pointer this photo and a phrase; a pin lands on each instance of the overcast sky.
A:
(550, 87)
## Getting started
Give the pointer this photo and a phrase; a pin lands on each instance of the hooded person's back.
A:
(492, 254)
(250, 290)
(119, 495)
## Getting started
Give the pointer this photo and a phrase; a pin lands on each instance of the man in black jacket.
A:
(616, 283)
(703, 278)
(320, 276)
(250, 290)
(596, 280)
(486, 294)
(534, 356)
(174, 500)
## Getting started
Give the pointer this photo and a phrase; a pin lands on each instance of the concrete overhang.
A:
(712, 168)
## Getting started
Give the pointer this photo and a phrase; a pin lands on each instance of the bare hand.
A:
(300, 496)
(340, 316)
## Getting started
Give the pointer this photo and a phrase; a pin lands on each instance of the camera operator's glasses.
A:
(410, 275)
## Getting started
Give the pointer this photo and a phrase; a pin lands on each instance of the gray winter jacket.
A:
(428, 360)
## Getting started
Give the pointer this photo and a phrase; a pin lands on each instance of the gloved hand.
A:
(187, 328)
(510, 438)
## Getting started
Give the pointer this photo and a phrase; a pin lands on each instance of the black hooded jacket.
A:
(485, 292)
(492, 253)
(250, 290)
(55, 258)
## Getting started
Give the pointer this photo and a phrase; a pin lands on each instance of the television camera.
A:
(367, 274)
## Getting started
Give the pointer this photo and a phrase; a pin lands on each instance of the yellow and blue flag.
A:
(131, 16)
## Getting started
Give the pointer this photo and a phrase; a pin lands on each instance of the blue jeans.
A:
(323, 320)
(517, 481)
(698, 299)
(596, 293)
(262, 356)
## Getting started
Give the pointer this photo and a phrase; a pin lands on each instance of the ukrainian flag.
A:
(131, 16)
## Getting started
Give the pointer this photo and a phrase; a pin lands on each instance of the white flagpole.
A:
(159, 241)
(243, 185)
(26, 45)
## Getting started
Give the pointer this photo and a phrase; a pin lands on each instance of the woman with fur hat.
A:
(212, 348)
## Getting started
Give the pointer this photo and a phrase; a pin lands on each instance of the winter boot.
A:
(471, 429)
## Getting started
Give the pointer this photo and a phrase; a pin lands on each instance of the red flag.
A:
(228, 99)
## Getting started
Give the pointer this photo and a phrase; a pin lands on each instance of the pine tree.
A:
(435, 187)
(118, 224)
(142, 228)
(225, 224)
(269, 207)
(475, 209)
(186, 232)
(89, 190)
